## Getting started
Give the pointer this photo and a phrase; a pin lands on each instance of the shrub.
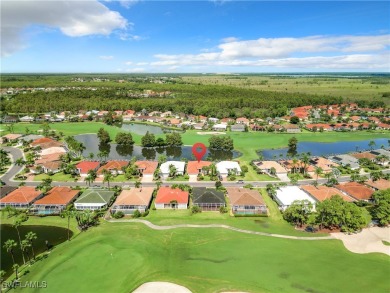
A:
(196, 210)
(136, 214)
(186, 176)
(200, 177)
(118, 215)
(144, 214)
(223, 210)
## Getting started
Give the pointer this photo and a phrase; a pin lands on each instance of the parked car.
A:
(240, 181)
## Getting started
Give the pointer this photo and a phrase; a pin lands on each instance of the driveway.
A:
(15, 154)
(283, 177)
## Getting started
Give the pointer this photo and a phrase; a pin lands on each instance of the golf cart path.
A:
(157, 227)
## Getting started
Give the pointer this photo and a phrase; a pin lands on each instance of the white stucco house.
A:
(226, 167)
(164, 168)
(285, 196)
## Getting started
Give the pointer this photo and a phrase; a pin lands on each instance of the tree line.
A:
(208, 100)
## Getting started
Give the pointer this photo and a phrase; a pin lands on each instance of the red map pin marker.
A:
(199, 149)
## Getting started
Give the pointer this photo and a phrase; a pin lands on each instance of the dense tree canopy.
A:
(221, 143)
(124, 138)
(381, 209)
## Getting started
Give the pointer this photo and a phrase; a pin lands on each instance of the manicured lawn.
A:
(118, 257)
(122, 178)
(56, 177)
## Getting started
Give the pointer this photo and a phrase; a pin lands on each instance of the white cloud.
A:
(229, 39)
(347, 52)
(106, 57)
(142, 63)
(138, 69)
(128, 63)
(128, 3)
(72, 18)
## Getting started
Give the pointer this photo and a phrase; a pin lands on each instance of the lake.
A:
(54, 235)
(119, 152)
(141, 129)
(325, 149)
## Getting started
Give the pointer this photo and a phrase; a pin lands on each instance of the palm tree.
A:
(294, 164)
(69, 213)
(376, 175)
(16, 225)
(2, 274)
(137, 184)
(371, 144)
(31, 236)
(9, 246)
(318, 171)
(305, 160)
(107, 177)
(88, 179)
(16, 269)
(91, 156)
(172, 171)
(23, 246)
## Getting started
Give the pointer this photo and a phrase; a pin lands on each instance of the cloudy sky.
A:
(194, 36)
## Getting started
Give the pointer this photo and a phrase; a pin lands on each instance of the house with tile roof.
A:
(380, 184)
(322, 192)
(208, 199)
(134, 199)
(21, 198)
(84, 166)
(94, 199)
(356, 190)
(6, 189)
(266, 166)
(245, 201)
(171, 198)
(224, 168)
(146, 168)
(323, 163)
(195, 167)
(114, 167)
(55, 201)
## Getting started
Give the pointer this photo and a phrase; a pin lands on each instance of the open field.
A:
(118, 257)
(348, 88)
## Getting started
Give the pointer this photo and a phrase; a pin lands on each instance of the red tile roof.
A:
(193, 167)
(356, 190)
(85, 166)
(167, 194)
(58, 196)
(24, 194)
(148, 167)
(323, 192)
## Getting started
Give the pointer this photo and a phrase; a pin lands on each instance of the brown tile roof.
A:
(380, 184)
(24, 194)
(244, 196)
(55, 165)
(193, 167)
(12, 136)
(325, 164)
(112, 165)
(168, 194)
(323, 192)
(45, 143)
(356, 190)
(148, 167)
(135, 196)
(59, 195)
(49, 158)
(364, 155)
(262, 165)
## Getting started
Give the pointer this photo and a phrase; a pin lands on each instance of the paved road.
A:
(17, 153)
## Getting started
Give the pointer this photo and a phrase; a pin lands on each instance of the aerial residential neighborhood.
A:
(194, 146)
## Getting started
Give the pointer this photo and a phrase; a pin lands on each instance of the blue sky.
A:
(194, 36)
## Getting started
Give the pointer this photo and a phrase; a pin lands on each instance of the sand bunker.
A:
(161, 287)
(369, 240)
(210, 132)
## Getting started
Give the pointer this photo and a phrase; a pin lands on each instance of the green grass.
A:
(56, 177)
(178, 178)
(387, 243)
(118, 257)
